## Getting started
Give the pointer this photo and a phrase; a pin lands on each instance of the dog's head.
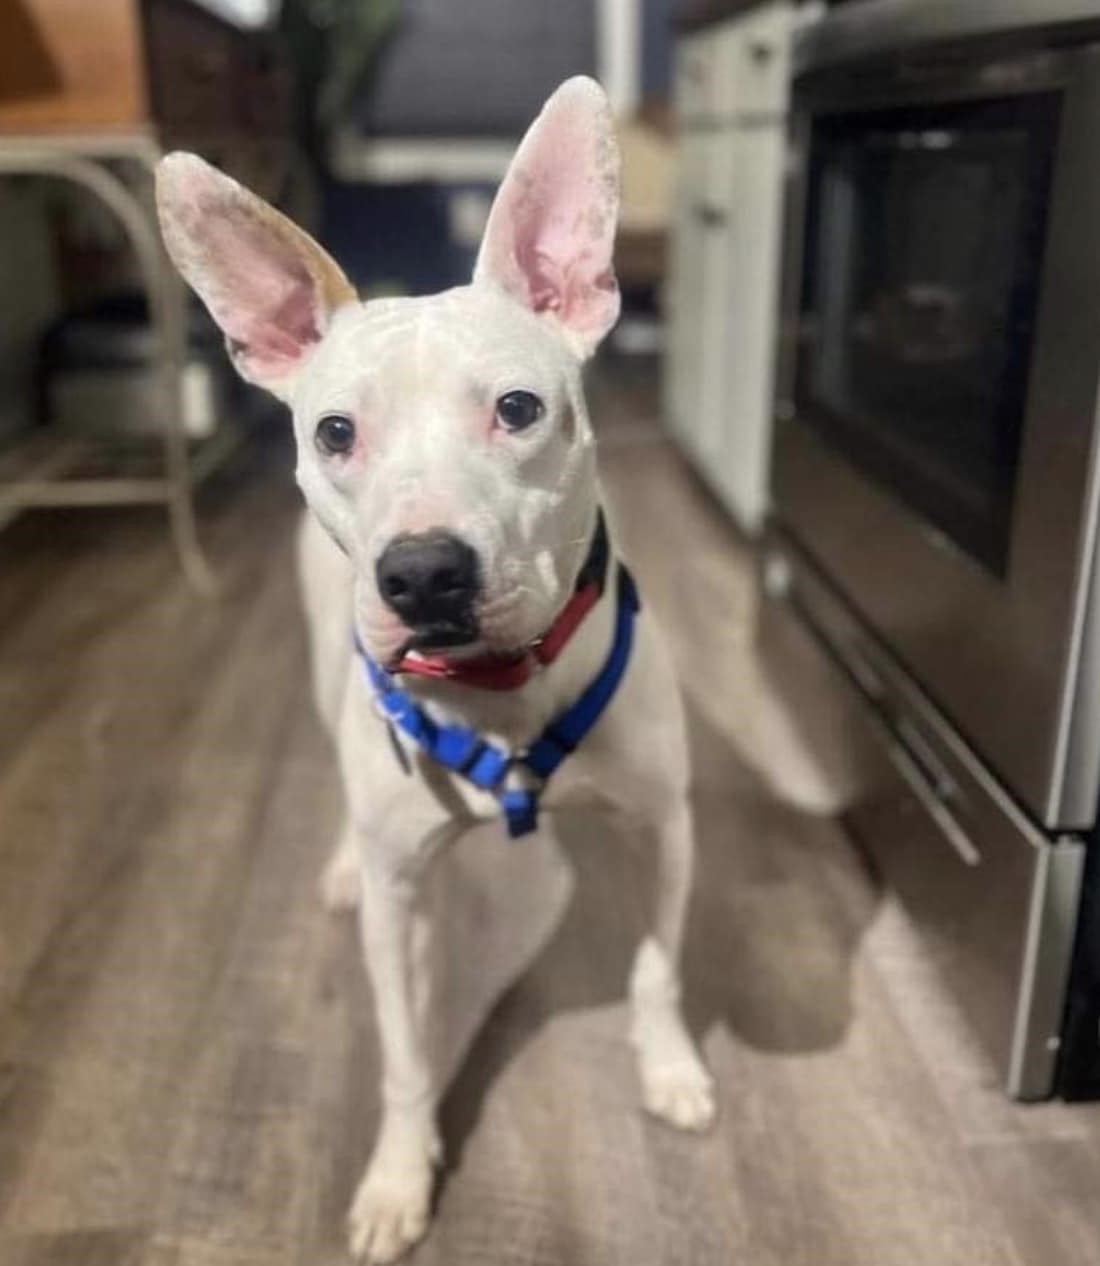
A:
(442, 441)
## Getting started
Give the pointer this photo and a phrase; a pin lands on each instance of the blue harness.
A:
(516, 779)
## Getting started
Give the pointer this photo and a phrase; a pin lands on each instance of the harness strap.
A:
(515, 779)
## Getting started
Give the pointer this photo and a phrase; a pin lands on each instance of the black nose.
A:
(430, 579)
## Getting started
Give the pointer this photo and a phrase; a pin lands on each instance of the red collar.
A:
(509, 672)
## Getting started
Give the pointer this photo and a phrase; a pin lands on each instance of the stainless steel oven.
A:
(935, 482)
(936, 440)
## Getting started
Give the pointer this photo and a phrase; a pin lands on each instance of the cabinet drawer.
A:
(697, 68)
(738, 70)
(754, 64)
(708, 171)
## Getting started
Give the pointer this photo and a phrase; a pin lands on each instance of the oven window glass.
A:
(925, 234)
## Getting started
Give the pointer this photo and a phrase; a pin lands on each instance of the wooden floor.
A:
(186, 1053)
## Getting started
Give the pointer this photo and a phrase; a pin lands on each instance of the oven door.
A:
(938, 394)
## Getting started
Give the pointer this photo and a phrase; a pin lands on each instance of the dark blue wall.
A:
(657, 43)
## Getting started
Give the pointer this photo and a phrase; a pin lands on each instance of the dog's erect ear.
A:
(551, 232)
(267, 283)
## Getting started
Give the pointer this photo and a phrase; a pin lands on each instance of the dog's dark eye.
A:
(335, 434)
(516, 410)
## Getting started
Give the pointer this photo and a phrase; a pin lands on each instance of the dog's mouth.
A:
(435, 639)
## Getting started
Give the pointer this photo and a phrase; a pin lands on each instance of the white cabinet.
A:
(731, 91)
(702, 255)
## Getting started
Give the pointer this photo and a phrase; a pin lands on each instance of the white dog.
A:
(445, 453)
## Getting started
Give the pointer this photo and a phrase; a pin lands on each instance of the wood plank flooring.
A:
(187, 1058)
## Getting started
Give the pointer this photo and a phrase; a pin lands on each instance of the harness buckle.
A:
(522, 776)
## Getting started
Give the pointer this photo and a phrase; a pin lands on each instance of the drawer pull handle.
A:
(918, 783)
(761, 52)
(711, 217)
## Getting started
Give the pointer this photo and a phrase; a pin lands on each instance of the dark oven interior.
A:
(923, 254)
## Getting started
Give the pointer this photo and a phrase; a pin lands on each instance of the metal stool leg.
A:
(166, 303)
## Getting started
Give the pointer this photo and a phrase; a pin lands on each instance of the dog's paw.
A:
(339, 885)
(391, 1208)
(681, 1095)
(676, 1086)
(387, 1218)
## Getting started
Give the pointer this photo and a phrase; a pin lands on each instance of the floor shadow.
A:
(781, 901)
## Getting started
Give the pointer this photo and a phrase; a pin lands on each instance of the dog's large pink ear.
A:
(551, 233)
(268, 284)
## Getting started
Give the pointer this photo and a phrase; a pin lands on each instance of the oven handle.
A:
(931, 798)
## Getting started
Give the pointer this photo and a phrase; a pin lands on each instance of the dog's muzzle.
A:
(431, 580)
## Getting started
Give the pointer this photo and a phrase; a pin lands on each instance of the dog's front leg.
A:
(675, 1083)
(340, 879)
(390, 1210)
(644, 769)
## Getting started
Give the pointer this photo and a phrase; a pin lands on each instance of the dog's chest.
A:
(507, 722)
(576, 784)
